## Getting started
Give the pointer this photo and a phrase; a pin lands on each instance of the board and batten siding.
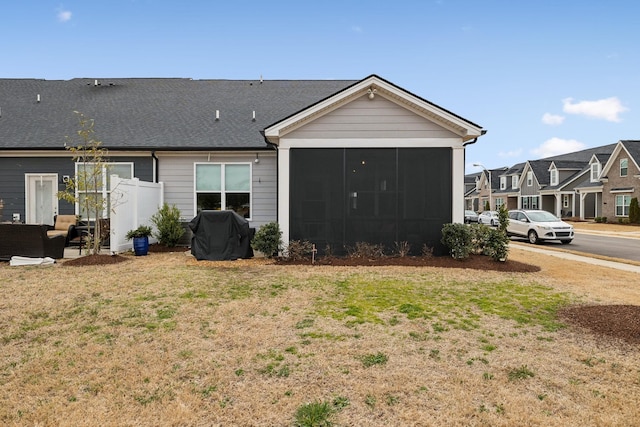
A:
(363, 118)
(176, 171)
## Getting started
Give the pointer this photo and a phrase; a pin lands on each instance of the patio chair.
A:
(64, 225)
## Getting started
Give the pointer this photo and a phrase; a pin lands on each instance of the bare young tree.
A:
(85, 189)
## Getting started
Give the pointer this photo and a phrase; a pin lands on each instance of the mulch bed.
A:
(616, 321)
(477, 262)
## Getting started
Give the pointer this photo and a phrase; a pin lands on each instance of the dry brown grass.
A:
(165, 340)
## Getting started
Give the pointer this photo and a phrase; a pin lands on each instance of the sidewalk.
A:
(559, 253)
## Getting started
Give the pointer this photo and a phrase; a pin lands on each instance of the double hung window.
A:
(223, 186)
(595, 171)
(93, 186)
(622, 204)
(624, 167)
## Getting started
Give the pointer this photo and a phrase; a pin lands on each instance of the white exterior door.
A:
(41, 198)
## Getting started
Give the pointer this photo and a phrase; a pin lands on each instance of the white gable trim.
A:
(466, 130)
(613, 159)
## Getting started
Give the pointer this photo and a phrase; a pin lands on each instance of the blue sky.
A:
(544, 77)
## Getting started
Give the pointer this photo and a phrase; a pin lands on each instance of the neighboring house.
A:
(560, 194)
(565, 185)
(589, 190)
(509, 186)
(487, 190)
(334, 162)
(471, 201)
(621, 180)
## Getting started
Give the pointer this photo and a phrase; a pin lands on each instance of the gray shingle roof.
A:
(152, 113)
(633, 147)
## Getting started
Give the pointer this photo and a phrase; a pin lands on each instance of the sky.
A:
(543, 77)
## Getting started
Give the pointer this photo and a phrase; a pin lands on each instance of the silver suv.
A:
(537, 225)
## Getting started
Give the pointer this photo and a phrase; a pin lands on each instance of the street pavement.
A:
(586, 258)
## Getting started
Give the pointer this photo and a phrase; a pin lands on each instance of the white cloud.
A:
(552, 119)
(606, 109)
(509, 154)
(64, 15)
(556, 146)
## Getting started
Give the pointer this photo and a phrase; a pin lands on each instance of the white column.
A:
(457, 185)
(283, 193)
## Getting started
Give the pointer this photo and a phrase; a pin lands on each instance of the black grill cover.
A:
(220, 235)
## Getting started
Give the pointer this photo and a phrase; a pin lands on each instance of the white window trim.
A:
(626, 173)
(223, 200)
(616, 205)
(595, 172)
(529, 179)
(503, 182)
(553, 177)
(514, 182)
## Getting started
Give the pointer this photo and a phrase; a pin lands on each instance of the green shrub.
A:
(457, 237)
(503, 216)
(497, 245)
(167, 221)
(479, 237)
(268, 239)
(141, 231)
(634, 211)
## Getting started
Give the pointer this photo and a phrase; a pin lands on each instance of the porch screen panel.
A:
(317, 197)
(372, 196)
(424, 181)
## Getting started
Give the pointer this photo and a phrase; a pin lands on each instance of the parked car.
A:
(538, 225)
(489, 218)
(470, 216)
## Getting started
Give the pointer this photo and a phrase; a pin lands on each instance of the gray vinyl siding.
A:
(525, 190)
(12, 177)
(176, 172)
(374, 120)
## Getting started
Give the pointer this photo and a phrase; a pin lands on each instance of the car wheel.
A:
(493, 223)
(565, 242)
(533, 237)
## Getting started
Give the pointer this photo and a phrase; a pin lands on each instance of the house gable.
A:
(630, 149)
(362, 108)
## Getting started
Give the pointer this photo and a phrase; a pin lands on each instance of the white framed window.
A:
(503, 182)
(529, 179)
(514, 181)
(499, 202)
(624, 167)
(529, 202)
(553, 176)
(94, 181)
(595, 171)
(622, 204)
(565, 200)
(223, 186)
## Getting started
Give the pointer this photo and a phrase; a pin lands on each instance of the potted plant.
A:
(140, 238)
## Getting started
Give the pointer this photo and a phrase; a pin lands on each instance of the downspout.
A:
(155, 166)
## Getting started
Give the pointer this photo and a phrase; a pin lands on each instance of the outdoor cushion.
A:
(63, 224)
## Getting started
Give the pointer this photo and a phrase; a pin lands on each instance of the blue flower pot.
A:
(141, 245)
